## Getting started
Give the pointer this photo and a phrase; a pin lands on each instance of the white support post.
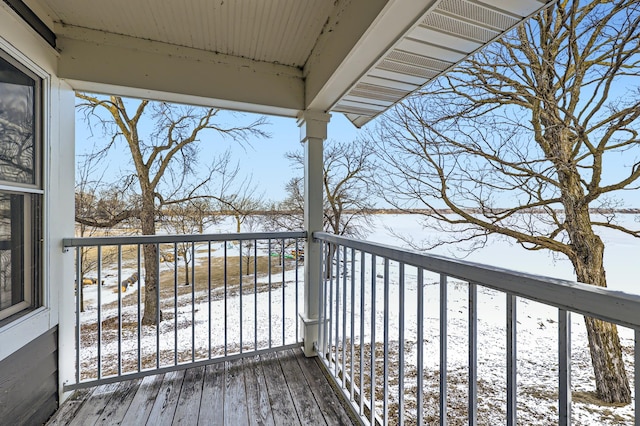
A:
(313, 132)
(61, 221)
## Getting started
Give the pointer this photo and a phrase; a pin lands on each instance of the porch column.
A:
(62, 225)
(313, 131)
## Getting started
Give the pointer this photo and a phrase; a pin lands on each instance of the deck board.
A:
(119, 403)
(282, 388)
(142, 404)
(90, 414)
(305, 401)
(212, 403)
(234, 413)
(190, 395)
(69, 409)
(165, 405)
(328, 402)
(258, 405)
(282, 406)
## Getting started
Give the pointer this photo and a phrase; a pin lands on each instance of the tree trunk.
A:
(587, 256)
(80, 288)
(328, 259)
(151, 307)
(248, 261)
(612, 384)
(186, 269)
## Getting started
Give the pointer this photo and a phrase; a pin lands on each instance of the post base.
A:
(309, 327)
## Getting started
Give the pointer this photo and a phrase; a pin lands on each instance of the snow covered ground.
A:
(276, 310)
(621, 253)
(537, 330)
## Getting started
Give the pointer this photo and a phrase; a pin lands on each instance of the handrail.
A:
(224, 311)
(361, 318)
(609, 305)
(181, 238)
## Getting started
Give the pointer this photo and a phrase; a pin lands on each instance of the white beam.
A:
(357, 36)
(103, 62)
(313, 132)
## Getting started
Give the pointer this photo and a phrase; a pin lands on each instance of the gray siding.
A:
(29, 382)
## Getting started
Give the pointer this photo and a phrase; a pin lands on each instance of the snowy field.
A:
(537, 330)
(252, 315)
(621, 253)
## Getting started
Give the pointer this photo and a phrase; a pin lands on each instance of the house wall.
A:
(29, 381)
(31, 359)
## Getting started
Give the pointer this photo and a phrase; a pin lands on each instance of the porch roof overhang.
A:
(357, 57)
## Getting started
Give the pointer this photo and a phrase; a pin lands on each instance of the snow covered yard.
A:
(197, 324)
(537, 338)
(537, 344)
(272, 310)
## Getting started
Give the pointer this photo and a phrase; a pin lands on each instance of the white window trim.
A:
(23, 330)
(15, 334)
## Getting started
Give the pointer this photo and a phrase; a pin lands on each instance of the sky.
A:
(263, 159)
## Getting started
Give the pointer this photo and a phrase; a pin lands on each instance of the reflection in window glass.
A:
(10, 253)
(20, 232)
(17, 125)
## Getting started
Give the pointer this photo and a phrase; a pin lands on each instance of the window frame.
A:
(32, 194)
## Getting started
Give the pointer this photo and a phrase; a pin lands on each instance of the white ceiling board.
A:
(283, 56)
(372, 103)
(408, 69)
(443, 39)
(423, 48)
(384, 83)
(396, 76)
(360, 109)
(476, 12)
(447, 33)
(377, 93)
(458, 28)
(278, 31)
(518, 8)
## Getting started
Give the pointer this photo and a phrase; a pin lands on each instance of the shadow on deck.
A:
(282, 388)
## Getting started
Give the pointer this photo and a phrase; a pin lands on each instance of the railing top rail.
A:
(164, 239)
(609, 305)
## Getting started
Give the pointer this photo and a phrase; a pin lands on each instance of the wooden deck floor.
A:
(282, 388)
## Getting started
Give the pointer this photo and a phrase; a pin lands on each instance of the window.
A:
(20, 188)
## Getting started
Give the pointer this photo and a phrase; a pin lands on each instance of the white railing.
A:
(242, 298)
(374, 305)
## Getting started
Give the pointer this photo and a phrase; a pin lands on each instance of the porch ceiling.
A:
(357, 57)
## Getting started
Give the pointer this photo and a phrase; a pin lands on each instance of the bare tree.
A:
(347, 174)
(242, 201)
(94, 202)
(165, 161)
(288, 214)
(250, 247)
(516, 142)
(189, 217)
(17, 152)
(284, 216)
